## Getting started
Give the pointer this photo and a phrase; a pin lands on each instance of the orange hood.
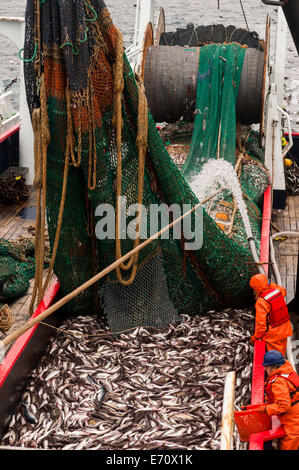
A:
(286, 368)
(259, 283)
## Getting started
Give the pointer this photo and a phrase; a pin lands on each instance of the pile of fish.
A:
(146, 389)
(179, 130)
(292, 179)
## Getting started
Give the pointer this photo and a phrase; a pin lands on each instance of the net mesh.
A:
(17, 267)
(78, 54)
(214, 133)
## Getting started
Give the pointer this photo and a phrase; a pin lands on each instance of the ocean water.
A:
(178, 14)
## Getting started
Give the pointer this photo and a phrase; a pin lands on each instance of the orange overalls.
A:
(283, 401)
(275, 338)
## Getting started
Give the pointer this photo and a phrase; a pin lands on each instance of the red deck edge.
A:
(20, 344)
(9, 133)
(258, 373)
(266, 225)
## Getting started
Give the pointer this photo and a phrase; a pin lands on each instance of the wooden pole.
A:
(227, 425)
(34, 321)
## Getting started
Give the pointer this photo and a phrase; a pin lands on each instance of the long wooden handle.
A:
(34, 321)
(227, 425)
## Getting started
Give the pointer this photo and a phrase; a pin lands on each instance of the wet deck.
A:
(13, 227)
(287, 250)
(287, 258)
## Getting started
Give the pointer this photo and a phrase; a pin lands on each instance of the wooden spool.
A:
(160, 27)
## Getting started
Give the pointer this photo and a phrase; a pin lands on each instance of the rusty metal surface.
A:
(160, 26)
(170, 81)
(148, 41)
(264, 95)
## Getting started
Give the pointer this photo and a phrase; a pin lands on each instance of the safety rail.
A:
(11, 131)
(258, 373)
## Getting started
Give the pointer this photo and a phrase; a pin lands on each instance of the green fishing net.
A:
(17, 267)
(214, 133)
(78, 59)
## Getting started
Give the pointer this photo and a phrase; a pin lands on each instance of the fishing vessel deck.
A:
(287, 249)
(15, 226)
(12, 225)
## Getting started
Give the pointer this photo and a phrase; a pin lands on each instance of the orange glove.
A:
(261, 409)
(252, 339)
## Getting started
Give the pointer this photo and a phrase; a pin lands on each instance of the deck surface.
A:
(287, 250)
(12, 227)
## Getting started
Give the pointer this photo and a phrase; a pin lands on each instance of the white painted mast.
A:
(145, 13)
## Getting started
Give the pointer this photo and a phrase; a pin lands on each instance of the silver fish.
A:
(160, 389)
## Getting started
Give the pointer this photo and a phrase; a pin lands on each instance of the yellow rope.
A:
(38, 157)
(36, 124)
(141, 143)
(69, 152)
(92, 142)
(42, 137)
(70, 139)
(45, 140)
(6, 318)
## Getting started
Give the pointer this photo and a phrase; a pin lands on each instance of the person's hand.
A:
(261, 409)
(252, 339)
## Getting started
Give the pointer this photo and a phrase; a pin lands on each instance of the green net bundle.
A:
(76, 55)
(17, 267)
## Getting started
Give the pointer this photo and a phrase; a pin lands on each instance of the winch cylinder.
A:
(170, 80)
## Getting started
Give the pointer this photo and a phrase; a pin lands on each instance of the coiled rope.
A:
(6, 318)
(141, 143)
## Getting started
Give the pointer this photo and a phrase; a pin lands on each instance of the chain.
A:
(15, 80)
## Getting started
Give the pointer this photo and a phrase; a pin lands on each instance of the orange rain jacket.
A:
(282, 407)
(275, 338)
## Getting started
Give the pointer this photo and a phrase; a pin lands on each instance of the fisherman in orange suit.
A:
(282, 397)
(272, 321)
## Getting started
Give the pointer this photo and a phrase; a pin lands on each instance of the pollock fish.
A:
(146, 389)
